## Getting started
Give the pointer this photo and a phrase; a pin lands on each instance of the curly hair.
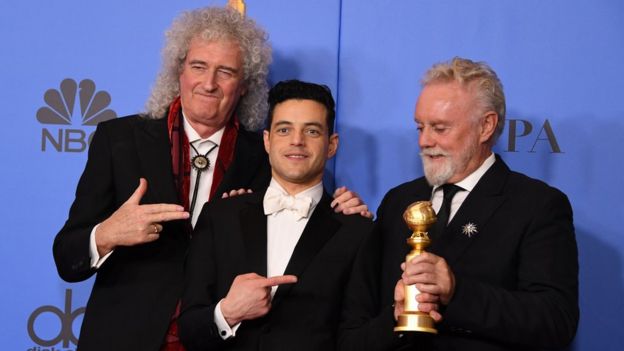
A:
(215, 23)
(476, 76)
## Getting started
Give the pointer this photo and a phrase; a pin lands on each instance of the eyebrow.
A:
(432, 123)
(278, 123)
(282, 124)
(315, 124)
(203, 63)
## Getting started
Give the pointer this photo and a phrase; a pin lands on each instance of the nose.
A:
(297, 138)
(425, 139)
(210, 81)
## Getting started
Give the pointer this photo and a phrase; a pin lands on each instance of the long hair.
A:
(215, 23)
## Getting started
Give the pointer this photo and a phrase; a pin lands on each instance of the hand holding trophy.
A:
(418, 216)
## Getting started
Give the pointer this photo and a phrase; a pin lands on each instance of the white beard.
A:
(437, 174)
(451, 164)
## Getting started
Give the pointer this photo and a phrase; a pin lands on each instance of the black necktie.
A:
(449, 190)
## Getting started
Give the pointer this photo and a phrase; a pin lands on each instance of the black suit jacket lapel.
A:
(320, 228)
(475, 212)
(152, 144)
(254, 230)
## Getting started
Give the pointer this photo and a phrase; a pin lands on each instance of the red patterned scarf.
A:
(180, 153)
(181, 161)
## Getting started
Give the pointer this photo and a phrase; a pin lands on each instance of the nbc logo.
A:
(60, 110)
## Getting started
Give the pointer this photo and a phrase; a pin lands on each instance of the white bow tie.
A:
(275, 201)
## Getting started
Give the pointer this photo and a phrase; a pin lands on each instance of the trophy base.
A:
(415, 322)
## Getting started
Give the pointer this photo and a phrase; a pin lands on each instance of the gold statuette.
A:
(238, 5)
(418, 216)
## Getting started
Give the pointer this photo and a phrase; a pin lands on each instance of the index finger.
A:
(280, 279)
(425, 257)
(337, 193)
(161, 208)
(164, 212)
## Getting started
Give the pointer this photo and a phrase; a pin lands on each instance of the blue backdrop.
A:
(560, 62)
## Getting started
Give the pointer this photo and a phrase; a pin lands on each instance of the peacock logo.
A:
(59, 111)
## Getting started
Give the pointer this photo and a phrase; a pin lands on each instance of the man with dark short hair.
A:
(269, 270)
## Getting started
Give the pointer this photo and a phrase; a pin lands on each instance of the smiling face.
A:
(453, 135)
(299, 144)
(211, 83)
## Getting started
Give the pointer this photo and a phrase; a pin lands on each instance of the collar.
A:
(314, 192)
(193, 136)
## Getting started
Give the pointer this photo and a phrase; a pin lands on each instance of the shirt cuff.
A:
(225, 331)
(96, 261)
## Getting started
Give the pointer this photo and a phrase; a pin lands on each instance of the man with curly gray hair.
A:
(195, 142)
(210, 25)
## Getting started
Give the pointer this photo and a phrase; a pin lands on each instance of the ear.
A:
(333, 145)
(488, 126)
(265, 137)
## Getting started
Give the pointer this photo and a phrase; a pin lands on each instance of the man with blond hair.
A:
(502, 270)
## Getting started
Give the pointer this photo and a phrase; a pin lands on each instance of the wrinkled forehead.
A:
(219, 53)
(440, 100)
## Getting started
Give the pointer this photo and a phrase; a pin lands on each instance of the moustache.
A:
(433, 152)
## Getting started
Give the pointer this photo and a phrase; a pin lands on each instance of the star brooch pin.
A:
(469, 229)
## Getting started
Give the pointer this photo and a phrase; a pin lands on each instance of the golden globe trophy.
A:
(238, 5)
(418, 216)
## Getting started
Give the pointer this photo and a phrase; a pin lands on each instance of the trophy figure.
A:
(418, 216)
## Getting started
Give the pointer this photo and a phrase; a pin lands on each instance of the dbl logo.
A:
(60, 110)
(66, 320)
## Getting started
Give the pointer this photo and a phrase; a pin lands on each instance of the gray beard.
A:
(450, 166)
(438, 176)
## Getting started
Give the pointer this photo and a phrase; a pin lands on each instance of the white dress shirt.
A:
(205, 181)
(284, 228)
(467, 184)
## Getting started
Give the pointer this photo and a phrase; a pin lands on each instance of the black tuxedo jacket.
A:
(136, 289)
(516, 274)
(230, 239)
